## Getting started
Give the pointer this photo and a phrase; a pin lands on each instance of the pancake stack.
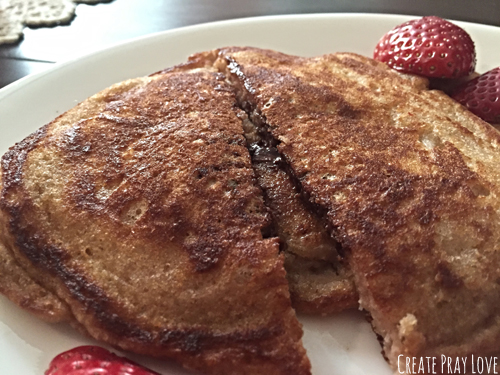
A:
(181, 215)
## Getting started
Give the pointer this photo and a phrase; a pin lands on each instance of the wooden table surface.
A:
(98, 26)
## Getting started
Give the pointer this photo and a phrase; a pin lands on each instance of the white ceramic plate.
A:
(341, 345)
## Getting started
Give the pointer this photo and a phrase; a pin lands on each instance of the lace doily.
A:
(15, 14)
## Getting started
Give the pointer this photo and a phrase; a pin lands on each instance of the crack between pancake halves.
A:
(268, 163)
(262, 145)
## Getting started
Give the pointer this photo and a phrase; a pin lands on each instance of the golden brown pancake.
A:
(139, 210)
(410, 183)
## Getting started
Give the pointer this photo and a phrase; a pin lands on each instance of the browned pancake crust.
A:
(138, 208)
(411, 184)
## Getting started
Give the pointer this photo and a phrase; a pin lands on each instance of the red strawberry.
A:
(94, 360)
(430, 47)
(482, 96)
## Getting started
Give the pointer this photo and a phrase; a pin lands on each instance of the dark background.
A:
(101, 25)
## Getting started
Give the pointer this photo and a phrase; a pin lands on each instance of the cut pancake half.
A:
(138, 209)
(410, 185)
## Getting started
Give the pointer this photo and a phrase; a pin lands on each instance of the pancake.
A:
(139, 210)
(410, 184)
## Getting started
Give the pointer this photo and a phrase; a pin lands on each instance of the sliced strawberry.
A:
(482, 96)
(94, 360)
(430, 47)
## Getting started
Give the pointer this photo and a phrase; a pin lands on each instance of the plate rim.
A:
(20, 83)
